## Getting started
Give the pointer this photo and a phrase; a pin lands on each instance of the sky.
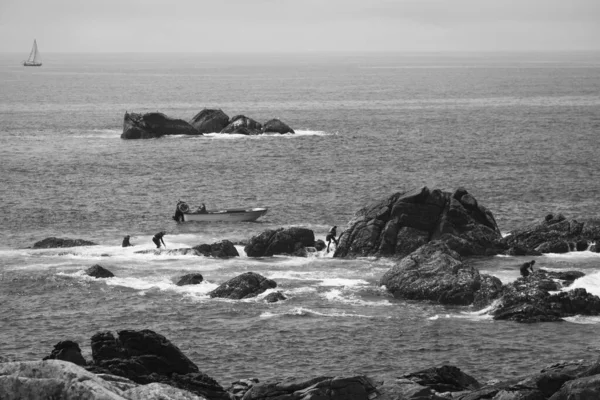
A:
(284, 26)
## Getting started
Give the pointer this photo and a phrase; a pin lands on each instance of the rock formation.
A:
(244, 286)
(276, 126)
(275, 297)
(222, 249)
(243, 125)
(54, 242)
(67, 350)
(403, 222)
(289, 241)
(435, 272)
(210, 121)
(555, 234)
(190, 279)
(153, 125)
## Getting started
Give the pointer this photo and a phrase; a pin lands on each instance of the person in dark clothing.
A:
(202, 209)
(331, 236)
(527, 268)
(126, 241)
(158, 238)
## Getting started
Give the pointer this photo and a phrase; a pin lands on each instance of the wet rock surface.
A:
(246, 285)
(280, 241)
(54, 242)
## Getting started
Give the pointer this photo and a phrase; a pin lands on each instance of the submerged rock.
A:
(280, 241)
(54, 242)
(154, 125)
(246, 285)
(275, 297)
(190, 279)
(276, 126)
(98, 271)
(210, 121)
(403, 222)
(555, 234)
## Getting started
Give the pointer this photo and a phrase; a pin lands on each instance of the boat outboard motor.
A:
(181, 208)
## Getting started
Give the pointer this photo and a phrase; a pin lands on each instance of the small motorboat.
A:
(184, 213)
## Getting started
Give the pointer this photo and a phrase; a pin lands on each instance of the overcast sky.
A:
(299, 25)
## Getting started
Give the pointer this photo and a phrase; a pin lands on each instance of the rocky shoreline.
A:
(146, 365)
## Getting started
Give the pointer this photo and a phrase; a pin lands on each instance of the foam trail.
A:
(591, 283)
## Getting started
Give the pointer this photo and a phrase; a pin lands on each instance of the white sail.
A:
(34, 59)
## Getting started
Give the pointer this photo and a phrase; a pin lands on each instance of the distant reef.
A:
(146, 365)
(153, 125)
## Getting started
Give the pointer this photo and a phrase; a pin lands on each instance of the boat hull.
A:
(230, 215)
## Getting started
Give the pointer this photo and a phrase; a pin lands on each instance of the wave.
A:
(591, 283)
(229, 136)
(307, 312)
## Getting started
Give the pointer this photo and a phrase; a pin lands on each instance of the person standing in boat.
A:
(331, 236)
(202, 209)
(158, 238)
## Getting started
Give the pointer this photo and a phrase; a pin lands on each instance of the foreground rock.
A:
(528, 299)
(326, 388)
(555, 234)
(276, 126)
(154, 125)
(242, 125)
(210, 121)
(54, 242)
(98, 271)
(247, 285)
(190, 279)
(403, 222)
(291, 241)
(146, 357)
(435, 272)
(67, 350)
(62, 380)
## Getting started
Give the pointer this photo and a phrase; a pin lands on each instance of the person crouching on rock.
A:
(527, 268)
(158, 238)
(126, 241)
(331, 236)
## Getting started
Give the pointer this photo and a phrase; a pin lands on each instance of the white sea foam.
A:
(583, 320)
(303, 312)
(574, 255)
(591, 283)
(343, 282)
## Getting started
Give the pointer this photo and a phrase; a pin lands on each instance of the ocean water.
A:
(521, 132)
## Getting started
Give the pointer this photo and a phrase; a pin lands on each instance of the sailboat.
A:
(34, 59)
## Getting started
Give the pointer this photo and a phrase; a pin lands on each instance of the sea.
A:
(519, 131)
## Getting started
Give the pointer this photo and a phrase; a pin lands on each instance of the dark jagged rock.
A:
(222, 249)
(400, 224)
(435, 272)
(322, 388)
(276, 126)
(280, 241)
(555, 234)
(405, 389)
(190, 279)
(444, 379)
(145, 357)
(153, 125)
(67, 350)
(210, 121)
(246, 285)
(241, 124)
(320, 245)
(98, 271)
(528, 299)
(275, 297)
(54, 242)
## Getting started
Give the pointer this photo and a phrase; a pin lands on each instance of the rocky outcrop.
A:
(289, 241)
(98, 271)
(146, 357)
(222, 249)
(276, 126)
(210, 121)
(403, 222)
(323, 388)
(190, 279)
(54, 242)
(57, 379)
(444, 379)
(67, 350)
(555, 234)
(154, 125)
(243, 125)
(436, 273)
(528, 299)
(244, 286)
